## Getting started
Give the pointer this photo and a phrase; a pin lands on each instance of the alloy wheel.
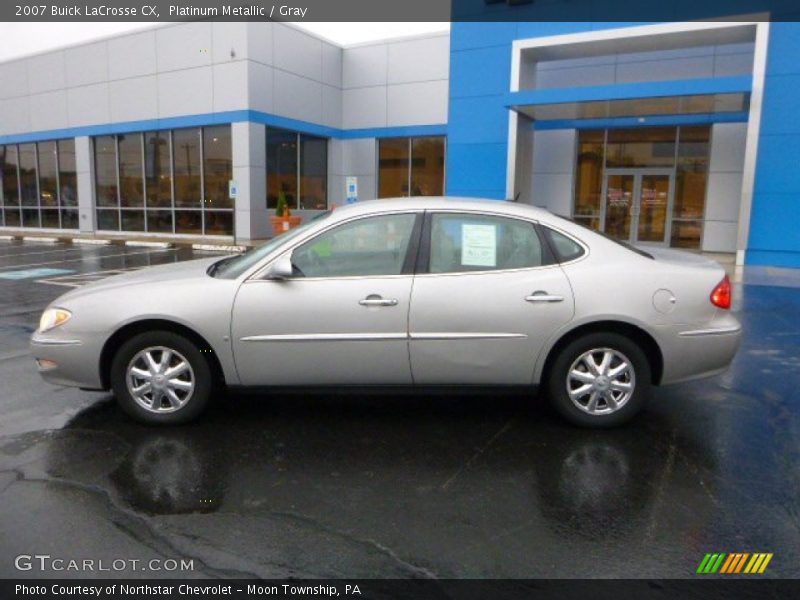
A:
(601, 381)
(160, 379)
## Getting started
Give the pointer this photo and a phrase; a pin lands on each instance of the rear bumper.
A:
(67, 360)
(695, 352)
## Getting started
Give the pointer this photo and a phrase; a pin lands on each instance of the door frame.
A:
(638, 173)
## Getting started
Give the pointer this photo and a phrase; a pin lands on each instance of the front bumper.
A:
(64, 359)
(695, 352)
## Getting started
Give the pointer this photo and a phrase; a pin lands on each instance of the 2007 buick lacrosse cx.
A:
(421, 291)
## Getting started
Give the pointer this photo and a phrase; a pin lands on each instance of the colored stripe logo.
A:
(733, 563)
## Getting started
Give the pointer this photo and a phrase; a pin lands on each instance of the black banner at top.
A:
(395, 10)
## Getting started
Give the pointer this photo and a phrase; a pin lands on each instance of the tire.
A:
(172, 400)
(609, 401)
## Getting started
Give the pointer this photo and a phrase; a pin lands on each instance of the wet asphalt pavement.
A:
(478, 484)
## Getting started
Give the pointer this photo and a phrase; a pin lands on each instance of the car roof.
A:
(441, 202)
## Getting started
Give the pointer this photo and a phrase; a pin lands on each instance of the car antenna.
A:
(515, 198)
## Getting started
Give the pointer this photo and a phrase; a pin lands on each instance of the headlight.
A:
(52, 318)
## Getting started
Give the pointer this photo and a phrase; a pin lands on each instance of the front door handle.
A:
(375, 300)
(542, 296)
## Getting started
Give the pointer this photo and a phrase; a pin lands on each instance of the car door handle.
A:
(377, 301)
(543, 297)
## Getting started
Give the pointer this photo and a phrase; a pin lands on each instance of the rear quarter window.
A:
(565, 248)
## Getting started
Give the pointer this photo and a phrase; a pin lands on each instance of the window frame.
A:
(549, 259)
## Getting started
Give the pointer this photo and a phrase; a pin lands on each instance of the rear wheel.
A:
(161, 377)
(599, 380)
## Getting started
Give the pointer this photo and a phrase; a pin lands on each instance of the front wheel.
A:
(599, 380)
(161, 377)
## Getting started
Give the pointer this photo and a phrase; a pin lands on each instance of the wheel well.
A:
(125, 333)
(637, 334)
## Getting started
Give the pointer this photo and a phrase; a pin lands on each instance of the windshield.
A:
(233, 266)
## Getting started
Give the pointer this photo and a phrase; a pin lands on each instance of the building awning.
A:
(714, 96)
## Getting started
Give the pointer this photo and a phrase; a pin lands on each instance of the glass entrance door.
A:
(637, 204)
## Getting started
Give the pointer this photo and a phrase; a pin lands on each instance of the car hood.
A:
(172, 272)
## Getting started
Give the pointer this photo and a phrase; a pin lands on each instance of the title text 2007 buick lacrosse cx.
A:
(411, 291)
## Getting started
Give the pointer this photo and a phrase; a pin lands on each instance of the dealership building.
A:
(682, 134)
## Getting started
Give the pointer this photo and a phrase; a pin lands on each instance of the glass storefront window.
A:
(393, 166)
(48, 177)
(427, 166)
(589, 177)
(683, 150)
(67, 178)
(158, 176)
(158, 194)
(641, 147)
(218, 166)
(281, 167)
(37, 181)
(105, 170)
(27, 177)
(297, 166)
(411, 167)
(131, 184)
(313, 173)
(186, 167)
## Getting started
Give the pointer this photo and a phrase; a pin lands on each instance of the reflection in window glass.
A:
(131, 183)
(157, 170)
(219, 222)
(132, 220)
(589, 177)
(186, 152)
(67, 179)
(641, 147)
(366, 247)
(411, 167)
(50, 218)
(9, 162)
(462, 243)
(188, 221)
(108, 219)
(27, 180)
(218, 167)
(281, 166)
(69, 219)
(427, 166)
(105, 170)
(313, 172)
(30, 217)
(692, 172)
(393, 165)
(159, 221)
(48, 182)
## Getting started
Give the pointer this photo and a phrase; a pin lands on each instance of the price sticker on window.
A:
(478, 245)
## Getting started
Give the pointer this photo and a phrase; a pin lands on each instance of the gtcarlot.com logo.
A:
(734, 563)
(46, 562)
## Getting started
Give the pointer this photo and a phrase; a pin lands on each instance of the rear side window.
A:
(566, 249)
(461, 243)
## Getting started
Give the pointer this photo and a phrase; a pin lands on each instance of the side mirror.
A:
(281, 269)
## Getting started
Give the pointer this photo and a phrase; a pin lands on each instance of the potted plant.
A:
(283, 220)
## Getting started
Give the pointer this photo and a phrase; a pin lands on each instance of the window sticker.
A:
(478, 245)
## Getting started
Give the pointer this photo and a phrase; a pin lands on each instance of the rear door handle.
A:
(541, 296)
(375, 300)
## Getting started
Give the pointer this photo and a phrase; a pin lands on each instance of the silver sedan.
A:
(423, 291)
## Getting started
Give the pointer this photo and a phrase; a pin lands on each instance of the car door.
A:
(342, 318)
(487, 296)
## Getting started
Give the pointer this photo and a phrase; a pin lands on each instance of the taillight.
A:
(721, 296)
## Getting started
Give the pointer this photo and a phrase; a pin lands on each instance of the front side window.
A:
(368, 247)
(462, 243)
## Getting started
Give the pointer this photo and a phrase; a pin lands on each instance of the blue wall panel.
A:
(774, 229)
